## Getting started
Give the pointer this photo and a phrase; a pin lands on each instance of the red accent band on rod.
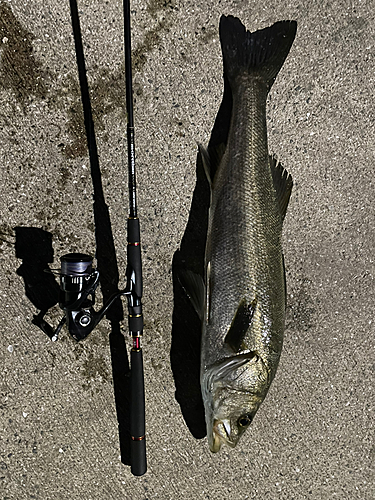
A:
(136, 343)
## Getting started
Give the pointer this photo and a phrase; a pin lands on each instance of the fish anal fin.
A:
(240, 325)
(283, 184)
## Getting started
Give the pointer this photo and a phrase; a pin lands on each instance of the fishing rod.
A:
(134, 274)
(79, 280)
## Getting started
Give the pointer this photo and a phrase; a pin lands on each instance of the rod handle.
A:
(138, 457)
(137, 415)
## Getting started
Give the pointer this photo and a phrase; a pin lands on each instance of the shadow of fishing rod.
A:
(186, 326)
(106, 257)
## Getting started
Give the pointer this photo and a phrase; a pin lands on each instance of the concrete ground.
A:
(64, 405)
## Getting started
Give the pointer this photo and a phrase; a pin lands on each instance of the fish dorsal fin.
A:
(283, 184)
(194, 288)
(240, 325)
(211, 159)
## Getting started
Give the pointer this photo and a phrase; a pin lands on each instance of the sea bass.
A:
(242, 301)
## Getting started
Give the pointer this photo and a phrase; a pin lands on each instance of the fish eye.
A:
(245, 420)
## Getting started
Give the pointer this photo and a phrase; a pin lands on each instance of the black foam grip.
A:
(133, 231)
(138, 457)
(136, 324)
(137, 415)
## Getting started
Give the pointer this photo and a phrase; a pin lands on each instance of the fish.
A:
(242, 299)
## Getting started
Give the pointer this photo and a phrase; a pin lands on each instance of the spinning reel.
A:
(78, 283)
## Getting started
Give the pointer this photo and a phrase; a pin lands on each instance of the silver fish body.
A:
(244, 307)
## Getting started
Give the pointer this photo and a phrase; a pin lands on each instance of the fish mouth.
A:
(220, 435)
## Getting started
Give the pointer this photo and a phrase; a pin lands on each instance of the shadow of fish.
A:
(242, 301)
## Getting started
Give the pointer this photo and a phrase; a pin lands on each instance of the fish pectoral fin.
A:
(240, 325)
(211, 159)
(194, 288)
(283, 184)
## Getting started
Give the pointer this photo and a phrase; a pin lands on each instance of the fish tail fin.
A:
(260, 54)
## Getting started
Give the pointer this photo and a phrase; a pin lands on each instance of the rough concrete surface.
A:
(59, 428)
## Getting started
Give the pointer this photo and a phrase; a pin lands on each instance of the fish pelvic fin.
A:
(240, 325)
(283, 184)
(260, 54)
(194, 288)
(211, 159)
